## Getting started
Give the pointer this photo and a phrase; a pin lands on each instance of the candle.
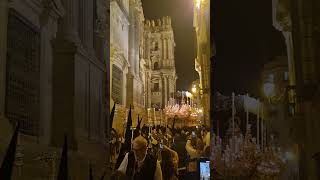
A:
(233, 114)
(182, 97)
(247, 110)
(262, 131)
(258, 123)
(160, 116)
(149, 120)
(154, 115)
(148, 113)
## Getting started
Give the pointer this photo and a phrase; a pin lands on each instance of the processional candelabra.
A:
(241, 157)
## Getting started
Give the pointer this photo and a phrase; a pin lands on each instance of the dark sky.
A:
(181, 12)
(245, 39)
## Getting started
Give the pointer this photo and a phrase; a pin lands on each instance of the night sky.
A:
(245, 39)
(181, 13)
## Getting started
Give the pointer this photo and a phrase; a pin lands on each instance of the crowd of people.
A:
(159, 153)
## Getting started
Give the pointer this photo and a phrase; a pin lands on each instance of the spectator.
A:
(118, 175)
(140, 165)
(179, 147)
(193, 148)
(167, 165)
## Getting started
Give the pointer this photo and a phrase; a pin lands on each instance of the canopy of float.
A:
(241, 102)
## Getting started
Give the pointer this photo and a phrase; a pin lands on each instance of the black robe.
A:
(147, 170)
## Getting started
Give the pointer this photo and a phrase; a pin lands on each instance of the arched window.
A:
(155, 46)
(156, 87)
(156, 66)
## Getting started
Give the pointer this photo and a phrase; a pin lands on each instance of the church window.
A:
(117, 84)
(156, 87)
(22, 99)
(155, 46)
(156, 66)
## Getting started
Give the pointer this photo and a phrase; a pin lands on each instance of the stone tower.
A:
(158, 53)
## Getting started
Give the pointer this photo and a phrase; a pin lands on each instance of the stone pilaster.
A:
(65, 47)
(170, 50)
(132, 38)
(3, 52)
(137, 42)
(165, 78)
(49, 29)
(63, 116)
(130, 79)
(5, 127)
(124, 85)
(89, 24)
(163, 51)
(149, 89)
(70, 20)
(165, 45)
(112, 51)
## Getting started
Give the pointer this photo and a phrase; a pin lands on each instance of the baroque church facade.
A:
(53, 72)
(158, 51)
(141, 61)
(125, 61)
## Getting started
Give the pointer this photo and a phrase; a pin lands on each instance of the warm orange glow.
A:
(198, 3)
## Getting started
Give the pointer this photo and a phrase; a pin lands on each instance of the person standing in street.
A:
(138, 164)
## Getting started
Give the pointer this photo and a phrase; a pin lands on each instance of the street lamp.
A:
(194, 89)
(269, 90)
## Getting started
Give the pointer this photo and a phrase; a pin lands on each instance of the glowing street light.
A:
(268, 89)
(194, 89)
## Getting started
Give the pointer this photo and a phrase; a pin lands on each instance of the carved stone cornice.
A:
(51, 8)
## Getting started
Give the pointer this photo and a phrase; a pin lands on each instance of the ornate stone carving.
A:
(50, 8)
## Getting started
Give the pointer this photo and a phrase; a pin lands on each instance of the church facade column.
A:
(171, 89)
(125, 71)
(3, 53)
(88, 24)
(165, 51)
(129, 89)
(70, 20)
(65, 49)
(112, 51)
(170, 50)
(165, 78)
(161, 88)
(5, 126)
(149, 88)
(49, 29)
